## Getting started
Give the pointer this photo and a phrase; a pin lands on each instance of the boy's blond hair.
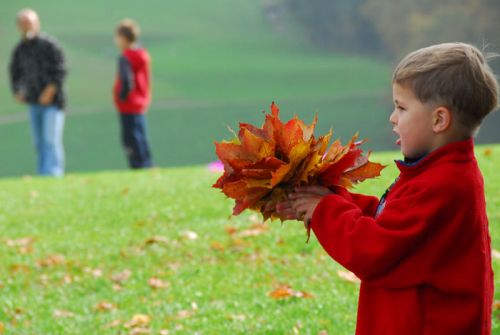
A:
(455, 75)
(129, 29)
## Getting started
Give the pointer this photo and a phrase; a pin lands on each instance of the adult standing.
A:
(37, 71)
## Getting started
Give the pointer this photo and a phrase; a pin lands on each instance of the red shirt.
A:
(424, 259)
(139, 96)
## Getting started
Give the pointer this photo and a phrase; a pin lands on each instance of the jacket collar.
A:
(461, 151)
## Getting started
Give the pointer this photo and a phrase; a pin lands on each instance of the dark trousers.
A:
(135, 140)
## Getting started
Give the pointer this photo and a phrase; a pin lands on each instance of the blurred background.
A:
(219, 62)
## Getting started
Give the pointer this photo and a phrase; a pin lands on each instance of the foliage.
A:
(263, 165)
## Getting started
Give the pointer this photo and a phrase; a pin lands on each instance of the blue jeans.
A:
(135, 141)
(47, 123)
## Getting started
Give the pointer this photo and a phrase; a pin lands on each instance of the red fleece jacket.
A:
(139, 97)
(424, 259)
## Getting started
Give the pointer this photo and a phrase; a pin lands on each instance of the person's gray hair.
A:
(27, 13)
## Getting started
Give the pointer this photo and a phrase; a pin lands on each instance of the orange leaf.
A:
(285, 291)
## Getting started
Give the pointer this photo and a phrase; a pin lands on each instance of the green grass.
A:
(214, 64)
(101, 221)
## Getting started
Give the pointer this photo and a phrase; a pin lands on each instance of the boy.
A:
(132, 94)
(422, 251)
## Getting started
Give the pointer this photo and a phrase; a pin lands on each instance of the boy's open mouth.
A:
(398, 141)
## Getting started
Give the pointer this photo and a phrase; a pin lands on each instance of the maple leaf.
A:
(262, 165)
(285, 291)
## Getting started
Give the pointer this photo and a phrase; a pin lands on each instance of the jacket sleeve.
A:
(367, 246)
(126, 78)
(56, 69)
(367, 204)
(15, 72)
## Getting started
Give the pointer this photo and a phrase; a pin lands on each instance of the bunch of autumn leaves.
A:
(263, 165)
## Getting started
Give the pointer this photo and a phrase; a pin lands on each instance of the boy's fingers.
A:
(288, 215)
(319, 190)
(269, 207)
(284, 205)
(296, 196)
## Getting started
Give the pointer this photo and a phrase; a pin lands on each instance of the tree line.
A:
(396, 27)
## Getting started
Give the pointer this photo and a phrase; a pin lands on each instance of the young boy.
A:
(422, 251)
(132, 94)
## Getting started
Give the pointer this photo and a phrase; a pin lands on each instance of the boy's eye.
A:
(401, 109)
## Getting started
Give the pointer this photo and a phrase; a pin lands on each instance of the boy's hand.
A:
(286, 211)
(306, 199)
(20, 98)
(47, 95)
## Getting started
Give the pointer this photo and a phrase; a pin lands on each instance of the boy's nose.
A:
(393, 118)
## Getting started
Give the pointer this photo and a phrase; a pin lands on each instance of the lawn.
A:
(215, 63)
(96, 253)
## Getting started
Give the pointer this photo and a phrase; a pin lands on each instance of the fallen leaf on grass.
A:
(496, 305)
(20, 242)
(19, 268)
(2, 328)
(488, 152)
(189, 235)
(217, 246)
(157, 283)
(184, 314)
(285, 291)
(51, 260)
(59, 313)
(138, 320)
(255, 219)
(23, 245)
(323, 332)
(96, 273)
(348, 276)
(156, 240)
(68, 279)
(164, 332)
(254, 230)
(104, 306)
(113, 324)
(121, 277)
(230, 230)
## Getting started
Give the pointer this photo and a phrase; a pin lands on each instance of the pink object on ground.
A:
(216, 167)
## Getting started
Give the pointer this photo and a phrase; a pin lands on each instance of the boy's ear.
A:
(441, 120)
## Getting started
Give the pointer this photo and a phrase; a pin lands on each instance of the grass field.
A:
(215, 63)
(87, 253)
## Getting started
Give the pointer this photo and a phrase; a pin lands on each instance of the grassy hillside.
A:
(101, 238)
(215, 63)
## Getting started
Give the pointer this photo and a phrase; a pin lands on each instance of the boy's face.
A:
(121, 42)
(412, 121)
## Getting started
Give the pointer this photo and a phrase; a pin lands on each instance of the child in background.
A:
(132, 94)
(423, 250)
